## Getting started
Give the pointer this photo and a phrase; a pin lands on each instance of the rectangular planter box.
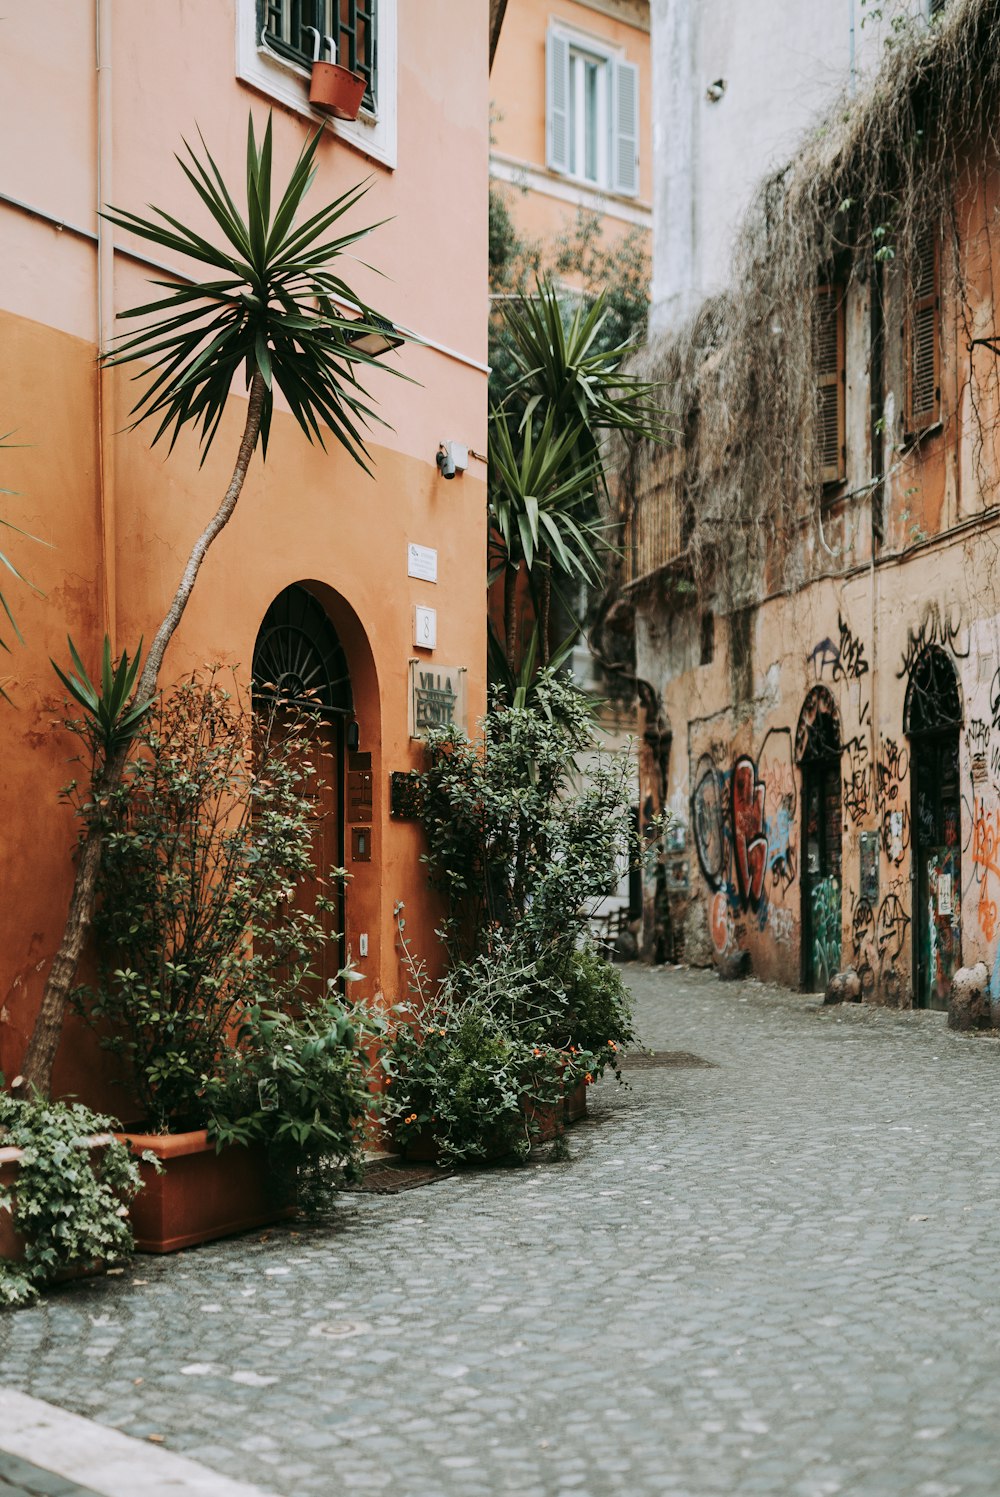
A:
(201, 1195)
(11, 1242)
(576, 1103)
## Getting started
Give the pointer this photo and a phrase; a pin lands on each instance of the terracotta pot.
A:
(201, 1195)
(575, 1103)
(336, 90)
(545, 1119)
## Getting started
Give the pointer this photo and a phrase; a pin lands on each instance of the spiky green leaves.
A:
(273, 307)
(111, 717)
(539, 498)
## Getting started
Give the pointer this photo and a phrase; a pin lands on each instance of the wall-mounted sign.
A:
(422, 562)
(869, 867)
(425, 627)
(437, 697)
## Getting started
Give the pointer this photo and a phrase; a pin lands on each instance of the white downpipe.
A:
(105, 316)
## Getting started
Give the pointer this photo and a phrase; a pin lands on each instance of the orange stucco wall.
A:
(545, 205)
(305, 516)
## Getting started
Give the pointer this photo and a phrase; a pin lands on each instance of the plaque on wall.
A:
(422, 562)
(869, 842)
(437, 697)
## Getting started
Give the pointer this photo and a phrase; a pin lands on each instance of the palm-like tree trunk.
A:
(510, 577)
(37, 1070)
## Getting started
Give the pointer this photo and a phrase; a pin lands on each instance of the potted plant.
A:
(334, 89)
(65, 1185)
(241, 1063)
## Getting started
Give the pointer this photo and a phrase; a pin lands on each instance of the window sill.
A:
(287, 83)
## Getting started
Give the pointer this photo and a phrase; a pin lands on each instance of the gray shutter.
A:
(625, 129)
(557, 102)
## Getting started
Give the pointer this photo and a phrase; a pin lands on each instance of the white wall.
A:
(784, 62)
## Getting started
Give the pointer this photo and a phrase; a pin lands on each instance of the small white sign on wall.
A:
(425, 627)
(422, 562)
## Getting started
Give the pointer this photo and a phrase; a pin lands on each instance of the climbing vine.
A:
(903, 157)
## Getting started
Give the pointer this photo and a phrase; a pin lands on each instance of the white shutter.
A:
(557, 102)
(625, 129)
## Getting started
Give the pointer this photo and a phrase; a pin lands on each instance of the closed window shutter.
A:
(830, 383)
(625, 129)
(923, 372)
(557, 102)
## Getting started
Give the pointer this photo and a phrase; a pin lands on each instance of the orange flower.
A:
(588, 1078)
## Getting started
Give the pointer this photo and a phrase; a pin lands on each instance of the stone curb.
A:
(102, 1460)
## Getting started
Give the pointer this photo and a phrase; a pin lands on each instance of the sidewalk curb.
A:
(101, 1459)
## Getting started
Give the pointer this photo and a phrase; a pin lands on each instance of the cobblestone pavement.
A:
(777, 1275)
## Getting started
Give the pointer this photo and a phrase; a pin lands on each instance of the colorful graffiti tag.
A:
(825, 922)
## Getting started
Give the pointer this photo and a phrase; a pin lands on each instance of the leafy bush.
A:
(520, 844)
(70, 1201)
(208, 982)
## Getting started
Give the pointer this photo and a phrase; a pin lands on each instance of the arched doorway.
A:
(932, 718)
(299, 666)
(817, 752)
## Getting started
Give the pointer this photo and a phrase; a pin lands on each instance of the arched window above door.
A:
(298, 657)
(933, 698)
(817, 737)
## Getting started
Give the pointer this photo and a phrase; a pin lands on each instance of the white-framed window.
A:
(274, 50)
(592, 112)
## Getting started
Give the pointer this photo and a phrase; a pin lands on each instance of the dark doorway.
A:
(932, 718)
(301, 685)
(817, 750)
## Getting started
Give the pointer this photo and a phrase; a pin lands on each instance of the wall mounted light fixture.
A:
(375, 335)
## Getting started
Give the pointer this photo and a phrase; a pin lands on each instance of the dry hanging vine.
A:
(740, 378)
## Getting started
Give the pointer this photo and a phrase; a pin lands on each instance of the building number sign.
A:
(437, 697)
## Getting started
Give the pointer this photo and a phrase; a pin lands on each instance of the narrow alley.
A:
(771, 1272)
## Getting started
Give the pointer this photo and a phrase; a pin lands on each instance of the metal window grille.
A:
(351, 23)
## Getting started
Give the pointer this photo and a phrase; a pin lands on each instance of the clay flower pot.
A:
(201, 1195)
(336, 90)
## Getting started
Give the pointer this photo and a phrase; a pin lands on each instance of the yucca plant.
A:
(267, 310)
(548, 437)
(538, 509)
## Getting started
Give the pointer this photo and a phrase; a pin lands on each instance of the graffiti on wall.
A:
(986, 863)
(743, 821)
(891, 804)
(858, 779)
(843, 660)
(940, 625)
(825, 920)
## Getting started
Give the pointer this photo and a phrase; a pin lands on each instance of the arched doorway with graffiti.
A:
(302, 684)
(817, 752)
(932, 720)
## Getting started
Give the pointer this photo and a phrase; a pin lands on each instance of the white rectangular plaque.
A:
(425, 627)
(422, 562)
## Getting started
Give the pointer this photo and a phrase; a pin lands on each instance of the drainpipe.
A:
(105, 317)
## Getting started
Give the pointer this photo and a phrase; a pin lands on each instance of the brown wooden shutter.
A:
(831, 383)
(923, 339)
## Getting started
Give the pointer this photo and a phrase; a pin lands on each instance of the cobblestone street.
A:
(776, 1274)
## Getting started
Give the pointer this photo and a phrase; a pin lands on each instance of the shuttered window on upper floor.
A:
(831, 382)
(592, 113)
(922, 337)
(301, 29)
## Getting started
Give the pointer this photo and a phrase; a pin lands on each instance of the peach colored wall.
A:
(306, 516)
(518, 88)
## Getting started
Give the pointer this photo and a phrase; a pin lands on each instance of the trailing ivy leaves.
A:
(112, 719)
(271, 311)
(70, 1195)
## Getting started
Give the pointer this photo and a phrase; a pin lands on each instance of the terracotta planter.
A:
(201, 1195)
(545, 1119)
(336, 90)
(575, 1103)
(11, 1241)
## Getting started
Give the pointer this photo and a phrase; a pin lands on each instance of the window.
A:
(922, 338)
(296, 29)
(275, 49)
(592, 113)
(831, 382)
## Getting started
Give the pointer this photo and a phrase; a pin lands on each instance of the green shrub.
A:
(71, 1199)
